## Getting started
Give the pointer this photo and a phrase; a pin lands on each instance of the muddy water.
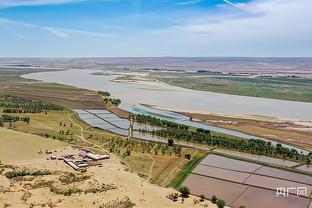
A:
(307, 168)
(274, 183)
(171, 97)
(285, 175)
(261, 158)
(209, 186)
(261, 198)
(223, 162)
(221, 173)
(234, 181)
(179, 99)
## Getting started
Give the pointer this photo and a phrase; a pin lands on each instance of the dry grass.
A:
(271, 129)
(66, 96)
(16, 146)
(42, 124)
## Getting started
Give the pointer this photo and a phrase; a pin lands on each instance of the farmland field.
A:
(244, 183)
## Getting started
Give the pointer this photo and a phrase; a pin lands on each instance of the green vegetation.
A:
(18, 173)
(14, 104)
(10, 118)
(214, 199)
(185, 191)
(147, 119)
(173, 196)
(284, 88)
(62, 95)
(187, 169)
(201, 136)
(105, 94)
(108, 101)
(103, 188)
(67, 192)
(72, 177)
(120, 203)
(202, 197)
(220, 203)
(112, 101)
(124, 146)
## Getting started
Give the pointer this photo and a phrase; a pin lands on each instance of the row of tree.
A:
(9, 101)
(201, 136)
(19, 110)
(185, 191)
(114, 102)
(106, 94)
(9, 118)
(147, 119)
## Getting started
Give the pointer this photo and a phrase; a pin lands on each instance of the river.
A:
(166, 96)
(171, 97)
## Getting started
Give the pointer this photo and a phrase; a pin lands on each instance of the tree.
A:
(214, 199)
(106, 94)
(188, 156)
(173, 196)
(202, 197)
(185, 191)
(170, 142)
(220, 203)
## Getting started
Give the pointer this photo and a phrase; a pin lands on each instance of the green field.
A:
(177, 181)
(294, 89)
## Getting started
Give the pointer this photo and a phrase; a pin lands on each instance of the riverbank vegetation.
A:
(255, 146)
(283, 88)
(62, 95)
(185, 170)
(15, 104)
(157, 162)
(108, 101)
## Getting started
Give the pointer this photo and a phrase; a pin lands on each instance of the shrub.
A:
(185, 191)
(202, 197)
(220, 203)
(214, 199)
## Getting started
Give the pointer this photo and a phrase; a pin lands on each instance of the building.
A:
(96, 157)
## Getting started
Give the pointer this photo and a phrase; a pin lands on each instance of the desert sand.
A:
(34, 191)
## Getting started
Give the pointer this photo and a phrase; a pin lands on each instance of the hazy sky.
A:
(89, 28)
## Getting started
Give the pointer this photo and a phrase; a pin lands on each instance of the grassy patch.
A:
(139, 162)
(293, 89)
(63, 95)
(177, 181)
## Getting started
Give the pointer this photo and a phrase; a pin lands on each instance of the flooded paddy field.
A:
(261, 158)
(210, 186)
(164, 96)
(221, 173)
(274, 183)
(227, 163)
(245, 183)
(307, 168)
(235, 181)
(285, 175)
(108, 121)
(261, 198)
(97, 121)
